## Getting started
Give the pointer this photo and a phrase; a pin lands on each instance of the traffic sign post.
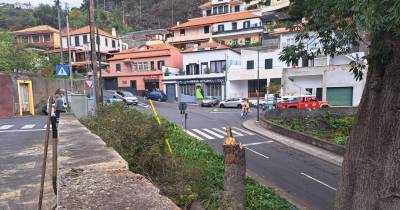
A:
(182, 108)
(62, 70)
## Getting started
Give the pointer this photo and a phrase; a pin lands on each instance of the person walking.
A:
(58, 107)
(245, 108)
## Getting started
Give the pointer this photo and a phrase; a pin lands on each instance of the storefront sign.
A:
(207, 81)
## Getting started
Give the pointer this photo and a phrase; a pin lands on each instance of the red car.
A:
(301, 102)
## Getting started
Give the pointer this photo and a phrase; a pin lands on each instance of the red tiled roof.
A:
(158, 50)
(86, 30)
(207, 46)
(215, 19)
(36, 29)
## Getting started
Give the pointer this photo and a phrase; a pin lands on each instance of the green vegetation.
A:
(193, 172)
(332, 128)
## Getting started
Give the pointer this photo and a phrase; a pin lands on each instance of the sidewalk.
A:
(293, 143)
(94, 176)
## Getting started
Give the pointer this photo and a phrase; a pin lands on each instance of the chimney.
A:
(113, 32)
(178, 23)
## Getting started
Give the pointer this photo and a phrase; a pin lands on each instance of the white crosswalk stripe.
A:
(5, 127)
(244, 131)
(45, 126)
(213, 133)
(194, 135)
(28, 126)
(203, 134)
(220, 131)
(234, 132)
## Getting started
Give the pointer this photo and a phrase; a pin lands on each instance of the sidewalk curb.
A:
(292, 143)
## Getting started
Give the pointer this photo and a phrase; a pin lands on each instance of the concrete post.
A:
(234, 173)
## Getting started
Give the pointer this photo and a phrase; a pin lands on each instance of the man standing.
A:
(58, 107)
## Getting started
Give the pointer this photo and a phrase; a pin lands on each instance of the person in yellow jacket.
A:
(245, 108)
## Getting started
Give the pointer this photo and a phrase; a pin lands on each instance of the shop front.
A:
(201, 88)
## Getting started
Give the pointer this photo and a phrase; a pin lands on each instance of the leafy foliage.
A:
(194, 172)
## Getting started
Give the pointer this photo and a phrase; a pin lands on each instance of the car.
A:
(261, 102)
(157, 96)
(210, 101)
(232, 103)
(127, 97)
(302, 102)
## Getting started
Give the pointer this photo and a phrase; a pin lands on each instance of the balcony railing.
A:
(252, 27)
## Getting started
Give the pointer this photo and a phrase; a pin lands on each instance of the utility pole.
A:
(61, 49)
(258, 84)
(172, 12)
(100, 70)
(69, 48)
(93, 51)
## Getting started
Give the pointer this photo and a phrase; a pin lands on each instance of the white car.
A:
(232, 103)
(128, 97)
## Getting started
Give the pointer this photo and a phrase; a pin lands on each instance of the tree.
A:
(78, 18)
(370, 177)
(46, 15)
(273, 88)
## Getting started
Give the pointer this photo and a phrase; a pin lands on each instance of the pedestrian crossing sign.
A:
(62, 70)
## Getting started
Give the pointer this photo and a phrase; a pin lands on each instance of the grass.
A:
(193, 173)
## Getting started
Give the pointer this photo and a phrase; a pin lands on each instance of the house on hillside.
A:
(43, 37)
(141, 69)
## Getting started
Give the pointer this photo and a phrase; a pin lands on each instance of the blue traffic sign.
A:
(62, 70)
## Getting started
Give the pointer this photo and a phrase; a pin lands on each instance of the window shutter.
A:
(268, 63)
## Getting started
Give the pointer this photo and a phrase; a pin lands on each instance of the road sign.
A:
(182, 107)
(62, 70)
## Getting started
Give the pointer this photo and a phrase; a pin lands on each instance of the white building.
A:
(204, 68)
(218, 7)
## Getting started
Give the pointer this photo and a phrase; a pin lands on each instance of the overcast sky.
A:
(72, 3)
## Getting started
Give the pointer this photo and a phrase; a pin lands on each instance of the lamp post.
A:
(258, 84)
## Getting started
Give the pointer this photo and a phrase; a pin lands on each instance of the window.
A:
(246, 24)
(250, 64)
(226, 9)
(234, 26)
(117, 67)
(217, 66)
(98, 40)
(235, 42)
(192, 69)
(113, 43)
(76, 40)
(309, 90)
(208, 12)
(221, 28)
(206, 29)
(222, 41)
(35, 39)
(85, 39)
(24, 39)
(215, 10)
(160, 64)
(145, 66)
(182, 32)
(268, 63)
(237, 8)
(106, 40)
(247, 41)
(204, 68)
(152, 65)
(220, 9)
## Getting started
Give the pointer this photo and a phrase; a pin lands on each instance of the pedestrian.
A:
(57, 108)
(245, 108)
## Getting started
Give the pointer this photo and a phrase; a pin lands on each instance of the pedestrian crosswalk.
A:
(8, 127)
(216, 133)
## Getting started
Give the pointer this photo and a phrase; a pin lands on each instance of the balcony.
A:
(252, 28)
(188, 38)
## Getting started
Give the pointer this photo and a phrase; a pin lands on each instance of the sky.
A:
(71, 3)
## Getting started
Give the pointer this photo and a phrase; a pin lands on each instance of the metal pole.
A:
(93, 51)
(100, 70)
(69, 47)
(46, 146)
(258, 84)
(61, 48)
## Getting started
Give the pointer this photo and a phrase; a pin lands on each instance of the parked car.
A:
(262, 102)
(157, 95)
(232, 103)
(301, 102)
(128, 97)
(210, 101)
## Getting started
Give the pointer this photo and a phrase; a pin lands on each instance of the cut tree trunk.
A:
(371, 167)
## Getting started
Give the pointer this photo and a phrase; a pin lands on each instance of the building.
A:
(146, 37)
(80, 47)
(43, 36)
(204, 69)
(219, 7)
(232, 29)
(141, 69)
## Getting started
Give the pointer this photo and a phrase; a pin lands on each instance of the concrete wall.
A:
(7, 100)
(210, 55)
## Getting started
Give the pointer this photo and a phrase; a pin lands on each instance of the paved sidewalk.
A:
(293, 143)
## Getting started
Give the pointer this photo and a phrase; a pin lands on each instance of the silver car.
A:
(128, 97)
(210, 101)
(232, 103)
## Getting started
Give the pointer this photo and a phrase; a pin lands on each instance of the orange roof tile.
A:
(36, 29)
(208, 46)
(86, 30)
(158, 50)
(215, 19)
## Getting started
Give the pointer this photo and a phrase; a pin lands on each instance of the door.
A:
(110, 83)
(171, 91)
(319, 94)
(133, 87)
(340, 96)
(25, 98)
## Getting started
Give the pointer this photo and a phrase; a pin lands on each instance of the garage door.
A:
(340, 96)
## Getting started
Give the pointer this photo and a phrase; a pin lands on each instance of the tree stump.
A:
(234, 173)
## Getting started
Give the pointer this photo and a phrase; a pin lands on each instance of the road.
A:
(306, 180)
(21, 153)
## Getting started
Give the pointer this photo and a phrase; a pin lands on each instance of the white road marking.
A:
(234, 132)
(5, 127)
(213, 133)
(194, 135)
(257, 153)
(244, 131)
(28, 126)
(257, 143)
(27, 130)
(312, 178)
(203, 134)
(220, 131)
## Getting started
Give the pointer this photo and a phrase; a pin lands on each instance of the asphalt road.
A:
(305, 179)
(21, 153)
